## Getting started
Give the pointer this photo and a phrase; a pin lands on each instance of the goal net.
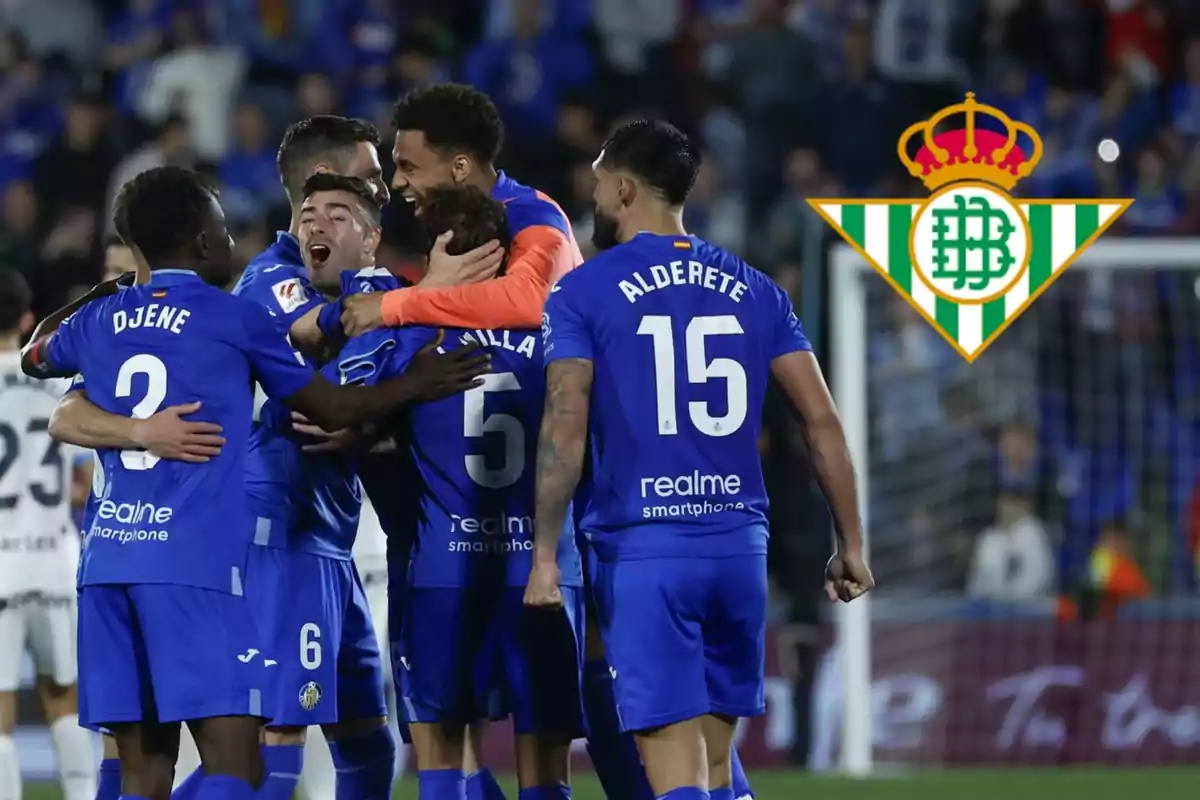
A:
(1009, 503)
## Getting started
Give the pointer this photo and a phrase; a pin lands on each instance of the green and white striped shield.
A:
(1059, 231)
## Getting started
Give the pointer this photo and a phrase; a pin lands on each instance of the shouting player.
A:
(330, 670)
(41, 552)
(165, 632)
(660, 351)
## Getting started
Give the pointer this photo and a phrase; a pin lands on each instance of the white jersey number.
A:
(156, 392)
(699, 370)
(49, 496)
(476, 424)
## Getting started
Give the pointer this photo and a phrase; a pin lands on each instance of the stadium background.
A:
(1033, 515)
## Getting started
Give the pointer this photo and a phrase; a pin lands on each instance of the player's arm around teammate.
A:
(448, 135)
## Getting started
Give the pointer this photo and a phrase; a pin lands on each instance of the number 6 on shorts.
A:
(310, 645)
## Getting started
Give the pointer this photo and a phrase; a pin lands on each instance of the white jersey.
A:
(39, 542)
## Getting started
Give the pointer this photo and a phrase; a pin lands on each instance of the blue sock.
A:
(482, 785)
(281, 766)
(365, 766)
(190, 786)
(441, 784)
(108, 785)
(614, 754)
(741, 784)
(722, 794)
(224, 787)
(554, 792)
(685, 793)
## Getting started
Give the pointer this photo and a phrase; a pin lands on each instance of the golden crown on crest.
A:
(970, 153)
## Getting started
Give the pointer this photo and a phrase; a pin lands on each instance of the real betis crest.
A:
(970, 258)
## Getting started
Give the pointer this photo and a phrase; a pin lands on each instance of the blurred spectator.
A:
(136, 37)
(197, 80)
(171, 146)
(1013, 559)
(62, 27)
(19, 228)
(713, 211)
(527, 73)
(249, 177)
(74, 170)
(791, 218)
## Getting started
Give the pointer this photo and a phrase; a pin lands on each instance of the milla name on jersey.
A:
(683, 273)
(502, 339)
(155, 315)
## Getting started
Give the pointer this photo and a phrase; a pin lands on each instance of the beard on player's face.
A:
(605, 229)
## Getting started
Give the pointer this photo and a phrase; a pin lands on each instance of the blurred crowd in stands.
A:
(1078, 422)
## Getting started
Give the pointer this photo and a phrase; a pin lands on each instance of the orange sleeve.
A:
(540, 254)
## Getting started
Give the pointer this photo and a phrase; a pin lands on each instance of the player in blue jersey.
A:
(660, 352)
(330, 672)
(468, 647)
(165, 632)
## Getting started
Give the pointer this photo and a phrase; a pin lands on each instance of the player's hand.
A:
(362, 313)
(470, 267)
(847, 576)
(437, 375)
(167, 435)
(342, 441)
(542, 591)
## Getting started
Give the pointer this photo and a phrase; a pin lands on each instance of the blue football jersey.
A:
(475, 453)
(175, 340)
(314, 497)
(389, 478)
(681, 335)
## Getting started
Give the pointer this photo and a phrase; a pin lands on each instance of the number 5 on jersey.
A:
(699, 371)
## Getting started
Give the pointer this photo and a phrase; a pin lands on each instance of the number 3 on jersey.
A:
(156, 392)
(699, 371)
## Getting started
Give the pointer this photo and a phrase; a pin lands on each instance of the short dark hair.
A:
(658, 153)
(474, 217)
(15, 299)
(332, 182)
(315, 139)
(161, 210)
(452, 116)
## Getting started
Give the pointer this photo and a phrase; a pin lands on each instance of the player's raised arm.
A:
(36, 357)
(799, 376)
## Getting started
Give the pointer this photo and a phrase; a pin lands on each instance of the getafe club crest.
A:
(970, 258)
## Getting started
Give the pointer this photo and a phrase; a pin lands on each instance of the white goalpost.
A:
(859, 303)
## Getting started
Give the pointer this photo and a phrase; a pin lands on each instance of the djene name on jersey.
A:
(154, 315)
(677, 274)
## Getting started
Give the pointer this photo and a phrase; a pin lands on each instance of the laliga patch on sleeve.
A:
(290, 294)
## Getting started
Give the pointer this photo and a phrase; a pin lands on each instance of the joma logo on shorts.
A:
(692, 484)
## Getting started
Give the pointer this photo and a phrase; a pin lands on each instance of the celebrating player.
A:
(677, 509)
(41, 552)
(165, 632)
(465, 638)
(451, 134)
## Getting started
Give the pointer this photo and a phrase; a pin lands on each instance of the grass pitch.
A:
(1016, 784)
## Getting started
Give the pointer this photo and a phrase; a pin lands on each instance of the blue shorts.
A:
(465, 655)
(328, 662)
(685, 637)
(165, 653)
